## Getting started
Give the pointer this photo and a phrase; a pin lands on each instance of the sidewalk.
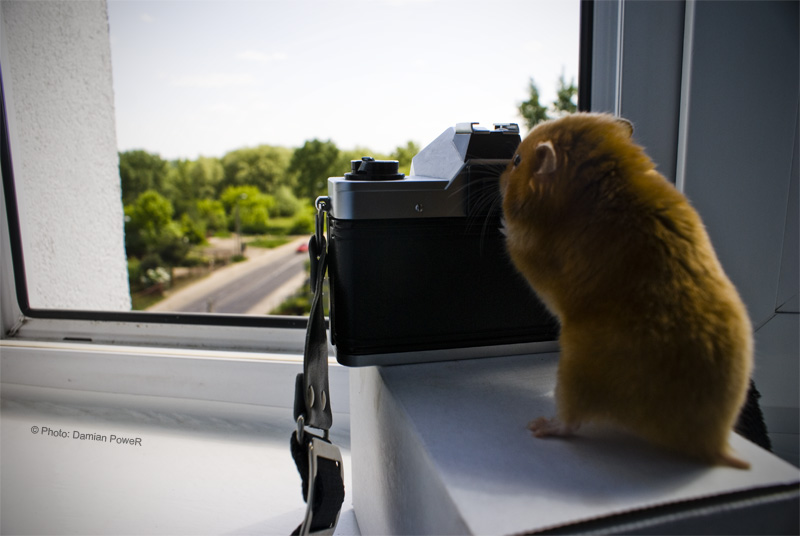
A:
(257, 258)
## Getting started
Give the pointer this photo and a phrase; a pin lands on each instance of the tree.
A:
(140, 171)
(178, 186)
(531, 110)
(286, 203)
(264, 166)
(346, 156)
(150, 230)
(145, 220)
(190, 180)
(249, 206)
(192, 230)
(312, 164)
(564, 94)
(404, 155)
(211, 213)
(206, 176)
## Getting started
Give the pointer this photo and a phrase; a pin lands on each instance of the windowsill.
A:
(437, 448)
(443, 448)
(213, 455)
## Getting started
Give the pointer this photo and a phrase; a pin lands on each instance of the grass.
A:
(140, 301)
(268, 242)
(299, 304)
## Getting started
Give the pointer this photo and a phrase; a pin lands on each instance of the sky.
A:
(201, 78)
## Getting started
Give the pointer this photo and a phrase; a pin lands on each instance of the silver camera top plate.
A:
(434, 189)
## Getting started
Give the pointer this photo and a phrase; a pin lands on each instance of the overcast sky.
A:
(198, 77)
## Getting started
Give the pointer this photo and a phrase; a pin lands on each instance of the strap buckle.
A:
(324, 481)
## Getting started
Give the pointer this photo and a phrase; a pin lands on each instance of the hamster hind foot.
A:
(544, 427)
(729, 459)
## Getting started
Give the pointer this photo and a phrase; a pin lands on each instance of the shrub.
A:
(134, 274)
(302, 224)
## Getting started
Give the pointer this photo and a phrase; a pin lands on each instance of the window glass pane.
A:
(230, 116)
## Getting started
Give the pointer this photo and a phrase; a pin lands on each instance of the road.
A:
(243, 293)
(251, 287)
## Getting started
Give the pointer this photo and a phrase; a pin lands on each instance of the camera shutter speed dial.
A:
(369, 169)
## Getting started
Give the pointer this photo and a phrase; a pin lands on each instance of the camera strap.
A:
(318, 461)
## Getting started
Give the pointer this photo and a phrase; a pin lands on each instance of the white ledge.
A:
(443, 448)
(115, 440)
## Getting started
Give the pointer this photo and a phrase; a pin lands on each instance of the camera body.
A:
(418, 266)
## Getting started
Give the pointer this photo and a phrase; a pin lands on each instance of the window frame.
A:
(249, 333)
(198, 330)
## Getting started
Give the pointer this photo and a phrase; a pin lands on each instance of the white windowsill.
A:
(213, 455)
(436, 448)
(443, 448)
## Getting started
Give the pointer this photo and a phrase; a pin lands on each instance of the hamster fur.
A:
(654, 336)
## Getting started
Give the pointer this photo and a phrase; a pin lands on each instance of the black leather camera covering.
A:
(409, 285)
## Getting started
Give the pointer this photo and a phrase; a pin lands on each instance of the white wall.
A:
(740, 161)
(712, 89)
(56, 64)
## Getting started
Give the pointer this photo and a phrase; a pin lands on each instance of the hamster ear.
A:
(546, 156)
(627, 124)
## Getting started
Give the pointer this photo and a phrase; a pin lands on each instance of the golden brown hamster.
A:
(654, 336)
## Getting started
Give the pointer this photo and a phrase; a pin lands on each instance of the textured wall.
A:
(57, 75)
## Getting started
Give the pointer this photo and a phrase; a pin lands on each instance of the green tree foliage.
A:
(192, 230)
(534, 113)
(404, 155)
(140, 171)
(146, 219)
(531, 110)
(150, 229)
(312, 164)
(286, 203)
(206, 176)
(178, 186)
(249, 206)
(211, 213)
(264, 166)
(564, 95)
(345, 157)
(190, 180)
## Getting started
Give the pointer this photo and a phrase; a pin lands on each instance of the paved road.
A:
(243, 293)
(251, 287)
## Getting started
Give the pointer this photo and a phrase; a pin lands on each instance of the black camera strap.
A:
(318, 461)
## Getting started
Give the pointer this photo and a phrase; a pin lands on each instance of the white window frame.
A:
(268, 335)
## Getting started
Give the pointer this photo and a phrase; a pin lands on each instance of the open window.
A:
(159, 142)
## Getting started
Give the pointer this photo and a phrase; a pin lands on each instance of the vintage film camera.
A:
(417, 265)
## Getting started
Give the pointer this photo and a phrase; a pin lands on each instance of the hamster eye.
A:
(517, 159)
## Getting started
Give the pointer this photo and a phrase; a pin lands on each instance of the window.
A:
(216, 126)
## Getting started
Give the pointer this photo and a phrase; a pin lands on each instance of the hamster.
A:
(654, 336)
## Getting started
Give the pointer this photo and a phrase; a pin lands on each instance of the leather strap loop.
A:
(313, 402)
(318, 461)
